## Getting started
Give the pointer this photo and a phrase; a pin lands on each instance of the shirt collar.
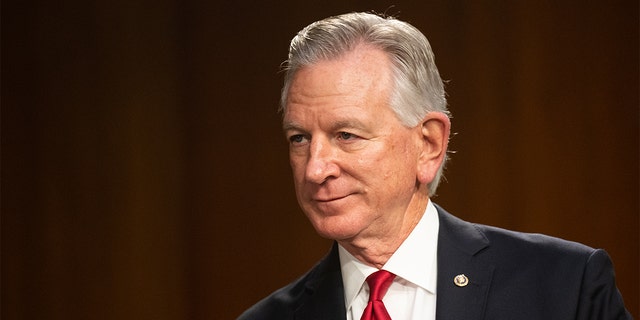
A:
(414, 261)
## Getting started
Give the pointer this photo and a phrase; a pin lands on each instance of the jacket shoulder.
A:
(533, 242)
(567, 271)
(296, 297)
(535, 276)
(279, 304)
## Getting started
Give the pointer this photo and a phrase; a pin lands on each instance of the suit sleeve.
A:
(599, 296)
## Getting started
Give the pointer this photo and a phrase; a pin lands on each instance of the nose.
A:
(321, 164)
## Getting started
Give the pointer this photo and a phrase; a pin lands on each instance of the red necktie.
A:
(379, 283)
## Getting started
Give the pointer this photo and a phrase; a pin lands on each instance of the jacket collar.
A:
(459, 244)
(324, 293)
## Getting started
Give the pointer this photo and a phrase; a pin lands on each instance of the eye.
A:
(346, 136)
(297, 138)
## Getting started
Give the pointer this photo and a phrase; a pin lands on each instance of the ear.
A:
(434, 130)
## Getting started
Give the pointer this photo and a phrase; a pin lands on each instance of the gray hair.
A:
(418, 87)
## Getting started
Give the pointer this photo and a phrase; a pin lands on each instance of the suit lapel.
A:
(324, 293)
(459, 243)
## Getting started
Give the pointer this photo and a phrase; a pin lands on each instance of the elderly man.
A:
(366, 118)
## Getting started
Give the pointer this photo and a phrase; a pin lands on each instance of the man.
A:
(365, 114)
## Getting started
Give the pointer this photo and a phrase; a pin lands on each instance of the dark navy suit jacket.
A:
(511, 276)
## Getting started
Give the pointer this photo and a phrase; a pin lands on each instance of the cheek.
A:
(297, 168)
(400, 164)
(380, 169)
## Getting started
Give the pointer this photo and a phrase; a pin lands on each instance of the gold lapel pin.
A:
(461, 280)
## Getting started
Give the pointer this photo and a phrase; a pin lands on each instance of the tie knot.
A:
(379, 283)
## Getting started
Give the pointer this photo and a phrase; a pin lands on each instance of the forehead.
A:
(360, 78)
(359, 66)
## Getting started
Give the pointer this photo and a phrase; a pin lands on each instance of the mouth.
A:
(329, 199)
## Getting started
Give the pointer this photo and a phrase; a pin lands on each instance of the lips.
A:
(329, 199)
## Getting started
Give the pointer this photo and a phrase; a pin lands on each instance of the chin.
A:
(335, 227)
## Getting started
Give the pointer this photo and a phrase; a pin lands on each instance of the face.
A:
(354, 163)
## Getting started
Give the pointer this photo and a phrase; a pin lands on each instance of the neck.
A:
(376, 249)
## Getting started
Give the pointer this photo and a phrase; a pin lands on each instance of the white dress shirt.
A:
(412, 295)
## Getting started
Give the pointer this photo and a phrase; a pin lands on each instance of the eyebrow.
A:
(348, 123)
(340, 124)
(288, 126)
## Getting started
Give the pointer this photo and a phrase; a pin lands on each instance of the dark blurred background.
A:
(145, 175)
